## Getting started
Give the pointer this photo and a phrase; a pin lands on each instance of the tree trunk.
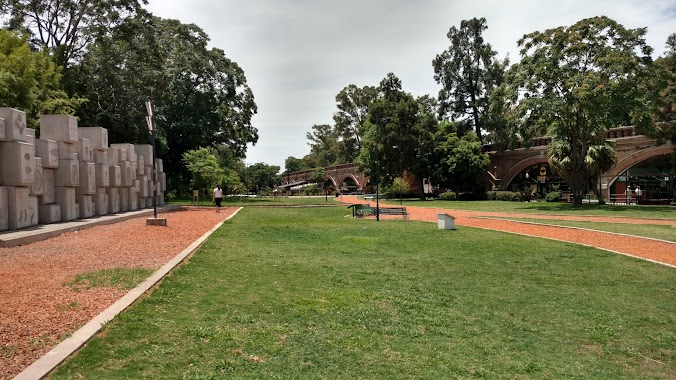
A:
(421, 192)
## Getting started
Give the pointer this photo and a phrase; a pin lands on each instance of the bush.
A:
(554, 196)
(448, 196)
(508, 196)
(472, 196)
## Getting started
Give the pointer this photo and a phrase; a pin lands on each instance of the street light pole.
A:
(151, 126)
(377, 177)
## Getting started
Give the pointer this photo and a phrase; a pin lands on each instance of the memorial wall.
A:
(69, 172)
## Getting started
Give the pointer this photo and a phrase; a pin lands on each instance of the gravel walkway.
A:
(663, 252)
(37, 310)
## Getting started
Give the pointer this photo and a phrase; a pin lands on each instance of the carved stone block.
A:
(15, 128)
(59, 128)
(87, 179)
(48, 150)
(18, 164)
(67, 174)
(98, 137)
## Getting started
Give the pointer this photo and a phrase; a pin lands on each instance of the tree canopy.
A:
(468, 71)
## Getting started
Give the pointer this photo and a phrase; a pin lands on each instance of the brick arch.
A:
(346, 176)
(642, 155)
(518, 168)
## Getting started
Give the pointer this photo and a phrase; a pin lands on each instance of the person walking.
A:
(638, 193)
(629, 195)
(218, 197)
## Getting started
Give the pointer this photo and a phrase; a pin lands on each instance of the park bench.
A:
(621, 199)
(393, 211)
(359, 210)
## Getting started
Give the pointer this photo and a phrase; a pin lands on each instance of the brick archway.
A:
(351, 176)
(642, 155)
(518, 168)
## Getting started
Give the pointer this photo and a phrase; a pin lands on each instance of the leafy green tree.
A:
(202, 98)
(262, 177)
(204, 170)
(405, 128)
(468, 71)
(30, 81)
(323, 141)
(461, 163)
(67, 27)
(353, 104)
(399, 187)
(293, 164)
(578, 82)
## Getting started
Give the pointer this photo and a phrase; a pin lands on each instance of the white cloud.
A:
(298, 54)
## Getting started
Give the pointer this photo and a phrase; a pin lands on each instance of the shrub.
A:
(508, 196)
(472, 196)
(554, 196)
(448, 196)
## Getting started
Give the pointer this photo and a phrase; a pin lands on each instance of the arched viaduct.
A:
(509, 167)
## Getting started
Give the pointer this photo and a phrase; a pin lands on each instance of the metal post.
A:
(151, 125)
(377, 177)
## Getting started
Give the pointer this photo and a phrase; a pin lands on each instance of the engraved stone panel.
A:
(18, 164)
(129, 148)
(83, 150)
(48, 150)
(102, 175)
(22, 212)
(87, 178)
(67, 174)
(65, 196)
(38, 187)
(115, 176)
(66, 150)
(101, 157)
(50, 214)
(113, 200)
(126, 174)
(87, 208)
(59, 128)
(15, 125)
(49, 194)
(4, 209)
(113, 156)
(98, 137)
(101, 201)
(123, 156)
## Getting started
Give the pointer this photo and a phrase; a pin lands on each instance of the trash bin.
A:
(446, 222)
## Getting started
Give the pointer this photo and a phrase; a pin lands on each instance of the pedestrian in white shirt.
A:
(218, 197)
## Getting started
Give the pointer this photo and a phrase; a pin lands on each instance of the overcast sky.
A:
(298, 54)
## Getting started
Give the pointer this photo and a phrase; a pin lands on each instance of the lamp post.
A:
(378, 170)
(401, 173)
(150, 107)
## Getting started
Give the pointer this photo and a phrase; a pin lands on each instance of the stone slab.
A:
(113, 200)
(156, 222)
(101, 157)
(140, 165)
(59, 128)
(65, 196)
(87, 179)
(101, 201)
(4, 208)
(31, 140)
(130, 151)
(48, 150)
(115, 176)
(49, 183)
(145, 150)
(133, 200)
(124, 199)
(18, 164)
(83, 150)
(126, 176)
(67, 150)
(15, 127)
(143, 186)
(102, 175)
(159, 165)
(98, 137)
(67, 174)
(87, 208)
(163, 182)
(49, 214)
(22, 211)
(113, 156)
(38, 187)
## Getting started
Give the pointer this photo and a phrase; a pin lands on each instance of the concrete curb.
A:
(46, 231)
(43, 366)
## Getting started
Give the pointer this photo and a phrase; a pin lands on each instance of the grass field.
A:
(644, 230)
(668, 212)
(259, 201)
(310, 293)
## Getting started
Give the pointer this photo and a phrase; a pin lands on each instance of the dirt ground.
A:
(37, 310)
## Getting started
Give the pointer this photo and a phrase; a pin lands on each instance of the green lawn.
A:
(310, 293)
(638, 229)
(668, 212)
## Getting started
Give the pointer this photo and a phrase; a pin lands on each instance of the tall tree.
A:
(468, 71)
(202, 97)
(580, 80)
(30, 81)
(353, 104)
(323, 142)
(262, 177)
(67, 27)
(204, 169)
(399, 135)
(461, 163)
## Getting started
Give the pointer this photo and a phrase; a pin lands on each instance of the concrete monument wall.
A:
(69, 172)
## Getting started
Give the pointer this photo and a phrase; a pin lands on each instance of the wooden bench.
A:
(621, 199)
(393, 211)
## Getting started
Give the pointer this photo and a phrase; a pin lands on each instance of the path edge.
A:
(46, 364)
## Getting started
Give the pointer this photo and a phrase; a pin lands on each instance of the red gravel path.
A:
(663, 252)
(37, 310)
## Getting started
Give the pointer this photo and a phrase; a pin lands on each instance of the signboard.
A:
(195, 193)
